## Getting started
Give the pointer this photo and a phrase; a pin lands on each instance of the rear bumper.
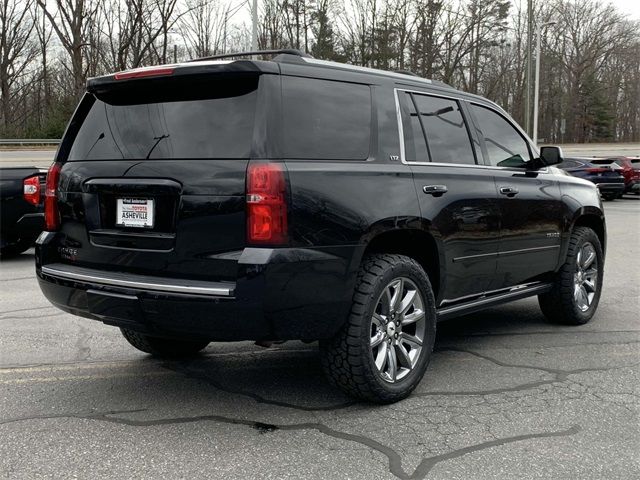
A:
(610, 187)
(279, 294)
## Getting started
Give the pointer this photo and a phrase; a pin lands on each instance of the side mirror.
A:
(551, 155)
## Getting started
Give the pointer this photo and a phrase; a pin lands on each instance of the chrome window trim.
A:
(457, 165)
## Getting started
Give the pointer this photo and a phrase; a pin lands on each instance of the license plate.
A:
(134, 212)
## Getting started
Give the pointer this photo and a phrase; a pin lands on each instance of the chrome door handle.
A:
(435, 190)
(509, 191)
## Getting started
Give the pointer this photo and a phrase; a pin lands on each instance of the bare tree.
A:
(72, 21)
(590, 77)
(17, 51)
(204, 27)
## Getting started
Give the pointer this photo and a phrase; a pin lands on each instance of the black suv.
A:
(222, 200)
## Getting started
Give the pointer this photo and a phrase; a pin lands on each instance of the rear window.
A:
(325, 120)
(212, 119)
(609, 162)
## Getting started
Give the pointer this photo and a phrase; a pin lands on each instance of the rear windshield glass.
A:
(212, 119)
(326, 120)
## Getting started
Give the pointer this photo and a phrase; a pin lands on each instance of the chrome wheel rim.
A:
(398, 327)
(585, 278)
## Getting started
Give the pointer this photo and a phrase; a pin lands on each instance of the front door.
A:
(529, 201)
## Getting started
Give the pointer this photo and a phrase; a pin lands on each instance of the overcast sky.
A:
(630, 7)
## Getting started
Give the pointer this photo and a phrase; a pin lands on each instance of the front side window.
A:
(325, 120)
(505, 146)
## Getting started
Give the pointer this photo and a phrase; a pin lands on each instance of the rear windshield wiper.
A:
(158, 140)
(100, 137)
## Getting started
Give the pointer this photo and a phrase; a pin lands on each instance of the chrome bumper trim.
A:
(138, 282)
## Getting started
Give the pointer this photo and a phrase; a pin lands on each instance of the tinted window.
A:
(447, 137)
(170, 122)
(414, 139)
(568, 164)
(505, 146)
(326, 120)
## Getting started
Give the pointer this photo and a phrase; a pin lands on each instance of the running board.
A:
(516, 293)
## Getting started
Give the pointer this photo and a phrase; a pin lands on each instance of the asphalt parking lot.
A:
(506, 396)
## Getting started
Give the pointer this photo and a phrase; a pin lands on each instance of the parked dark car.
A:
(604, 173)
(304, 199)
(21, 208)
(631, 171)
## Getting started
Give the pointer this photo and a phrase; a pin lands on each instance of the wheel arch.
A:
(416, 243)
(594, 221)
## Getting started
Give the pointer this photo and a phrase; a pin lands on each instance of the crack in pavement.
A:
(554, 371)
(394, 459)
(17, 278)
(32, 317)
(428, 463)
(27, 309)
(559, 376)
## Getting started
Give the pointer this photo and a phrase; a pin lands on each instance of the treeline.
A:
(590, 75)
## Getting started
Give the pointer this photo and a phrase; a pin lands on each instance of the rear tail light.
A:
(266, 204)
(51, 213)
(598, 170)
(31, 190)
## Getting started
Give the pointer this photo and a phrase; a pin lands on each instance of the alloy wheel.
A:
(398, 327)
(585, 278)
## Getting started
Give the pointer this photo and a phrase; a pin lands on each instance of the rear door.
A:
(154, 175)
(457, 197)
(531, 210)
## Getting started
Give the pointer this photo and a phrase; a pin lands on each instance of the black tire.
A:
(163, 347)
(610, 197)
(560, 304)
(348, 358)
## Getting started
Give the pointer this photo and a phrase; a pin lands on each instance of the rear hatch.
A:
(153, 180)
(606, 171)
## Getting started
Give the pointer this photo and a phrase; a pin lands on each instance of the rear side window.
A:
(505, 146)
(325, 120)
(446, 133)
(170, 120)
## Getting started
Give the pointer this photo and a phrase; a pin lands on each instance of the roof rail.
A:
(289, 51)
(406, 72)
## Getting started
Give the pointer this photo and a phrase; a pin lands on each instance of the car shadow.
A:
(290, 375)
